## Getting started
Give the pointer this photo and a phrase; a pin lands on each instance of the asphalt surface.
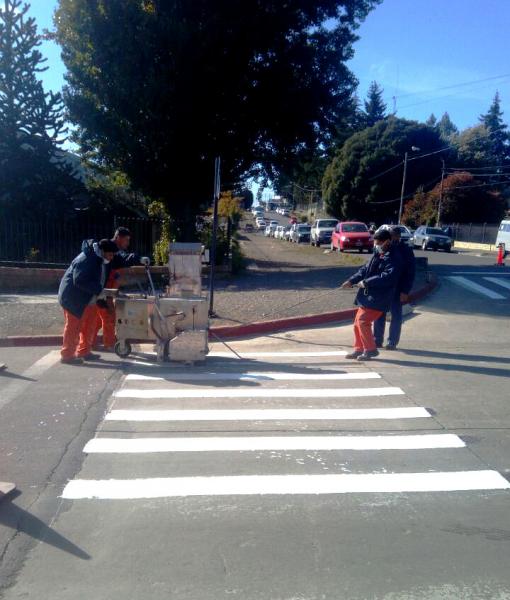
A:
(453, 361)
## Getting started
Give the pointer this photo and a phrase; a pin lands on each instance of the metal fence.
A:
(479, 233)
(59, 241)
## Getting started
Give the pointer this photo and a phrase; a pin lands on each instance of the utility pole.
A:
(212, 255)
(401, 209)
(439, 206)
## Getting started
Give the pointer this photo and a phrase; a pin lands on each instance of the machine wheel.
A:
(123, 349)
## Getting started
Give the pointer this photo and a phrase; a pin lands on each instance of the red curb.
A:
(233, 331)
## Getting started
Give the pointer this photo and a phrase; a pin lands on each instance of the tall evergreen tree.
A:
(493, 121)
(431, 121)
(35, 176)
(446, 127)
(375, 108)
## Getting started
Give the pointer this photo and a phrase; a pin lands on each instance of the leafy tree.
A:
(355, 184)
(464, 200)
(497, 129)
(160, 88)
(446, 127)
(36, 177)
(375, 108)
(475, 147)
(246, 197)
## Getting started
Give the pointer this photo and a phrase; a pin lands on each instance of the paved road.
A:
(210, 504)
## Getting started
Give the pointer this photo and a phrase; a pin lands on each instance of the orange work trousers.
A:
(363, 336)
(106, 322)
(78, 333)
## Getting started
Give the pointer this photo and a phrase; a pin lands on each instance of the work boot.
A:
(74, 360)
(91, 356)
(368, 355)
(390, 346)
(354, 354)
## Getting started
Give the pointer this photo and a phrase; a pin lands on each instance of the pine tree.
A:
(35, 176)
(446, 127)
(375, 108)
(431, 121)
(493, 121)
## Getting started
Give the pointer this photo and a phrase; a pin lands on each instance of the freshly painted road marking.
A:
(172, 487)
(477, 288)
(252, 443)
(259, 393)
(262, 376)
(276, 354)
(305, 414)
(500, 282)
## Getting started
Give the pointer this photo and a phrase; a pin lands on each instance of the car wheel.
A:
(424, 246)
(448, 249)
(360, 250)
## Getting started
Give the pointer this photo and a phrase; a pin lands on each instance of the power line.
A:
(456, 85)
(408, 160)
(407, 196)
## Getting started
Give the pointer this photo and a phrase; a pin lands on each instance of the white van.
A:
(504, 236)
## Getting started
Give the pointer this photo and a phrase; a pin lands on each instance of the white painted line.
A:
(477, 288)
(172, 487)
(252, 443)
(260, 393)
(278, 354)
(501, 282)
(265, 376)
(283, 414)
(31, 375)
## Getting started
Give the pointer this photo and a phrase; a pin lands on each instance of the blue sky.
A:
(414, 49)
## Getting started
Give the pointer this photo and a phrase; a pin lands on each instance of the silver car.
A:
(405, 234)
(432, 237)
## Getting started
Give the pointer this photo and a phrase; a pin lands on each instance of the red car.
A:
(352, 236)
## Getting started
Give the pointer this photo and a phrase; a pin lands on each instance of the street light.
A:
(401, 209)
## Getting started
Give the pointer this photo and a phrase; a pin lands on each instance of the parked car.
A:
(352, 235)
(285, 212)
(286, 233)
(300, 232)
(432, 237)
(248, 227)
(405, 233)
(322, 230)
(260, 224)
(278, 234)
(271, 228)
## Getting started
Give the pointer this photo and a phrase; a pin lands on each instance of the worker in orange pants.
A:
(377, 281)
(82, 283)
(105, 314)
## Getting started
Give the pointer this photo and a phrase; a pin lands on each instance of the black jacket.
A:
(381, 276)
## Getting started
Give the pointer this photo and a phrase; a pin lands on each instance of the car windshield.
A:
(304, 228)
(354, 228)
(331, 223)
(403, 230)
(435, 231)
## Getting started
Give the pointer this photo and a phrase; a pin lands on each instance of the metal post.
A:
(439, 206)
(401, 209)
(212, 254)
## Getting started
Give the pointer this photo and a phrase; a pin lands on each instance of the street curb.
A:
(237, 331)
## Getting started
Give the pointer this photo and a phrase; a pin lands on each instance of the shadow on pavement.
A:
(468, 357)
(491, 371)
(22, 521)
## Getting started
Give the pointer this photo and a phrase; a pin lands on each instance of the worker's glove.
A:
(361, 285)
(146, 261)
(345, 285)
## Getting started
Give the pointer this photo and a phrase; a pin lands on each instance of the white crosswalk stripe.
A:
(476, 287)
(498, 281)
(184, 397)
